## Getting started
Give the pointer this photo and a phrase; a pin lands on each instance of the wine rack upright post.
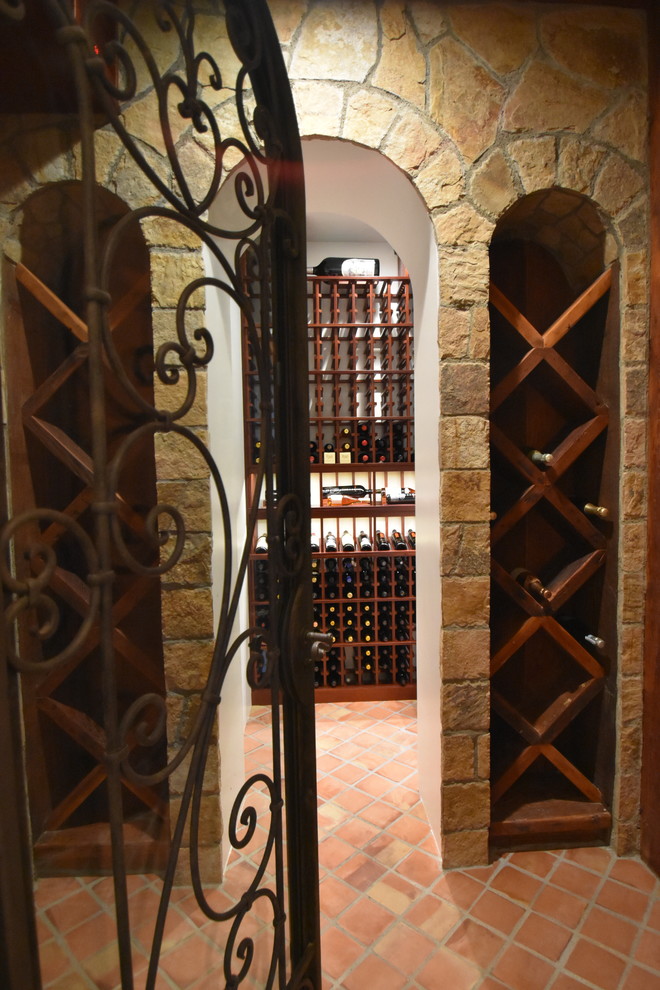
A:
(360, 348)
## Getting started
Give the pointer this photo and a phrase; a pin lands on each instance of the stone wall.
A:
(480, 105)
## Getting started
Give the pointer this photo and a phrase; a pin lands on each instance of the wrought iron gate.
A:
(262, 272)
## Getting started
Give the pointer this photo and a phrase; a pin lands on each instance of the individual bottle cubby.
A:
(553, 559)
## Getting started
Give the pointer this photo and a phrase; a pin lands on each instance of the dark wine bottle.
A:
(363, 541)
(580, 631)
(330, 543)
(398, 541)
(539, 457)
(530, 582)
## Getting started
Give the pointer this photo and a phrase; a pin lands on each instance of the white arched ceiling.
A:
(352, 190)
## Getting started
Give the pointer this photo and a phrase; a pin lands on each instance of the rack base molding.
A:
(554, 457)
(362, 487)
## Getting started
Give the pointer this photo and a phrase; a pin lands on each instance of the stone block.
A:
(627, 840)
(441, 182)
(462, 225)
(465, 549)
(465, 496)
(632, 597)
(192, 499)
(633, 502)
(465, 601)
(171, 273)
(318, 107)
(632, 553)
(483, 756)
(464, 442)
(502, 36)
(428, 18)
(465, 654)
(625, 126)
(465, 806)
(453, 333)
(634, 443)
(336, 41)
(631, 702)
(635, 278)
(629, 797)
(617, 185)
(458, 758)
(287, 15)
(465, 98)
(604, 46)
(536, 161)
(465, 706)
(369, 116)
(479, 349)
(211, 778)
(411, 142)
(187, 664)
(187, 613)
(171, 397)
(634, 335)
(631, 658)
(492, 185)
(401, 69)
(549, 99)
(210, 866)
(462, 849)
(194, 566)
(177, 457)
(464, 275)
(464, 388)
(210, 825)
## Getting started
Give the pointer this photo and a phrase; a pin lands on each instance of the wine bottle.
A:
(530, 582)
(590, 509)
(363, 541)
(314, 544)
(580, 631)
(330, 542)
(348, 267)
(538, 457)
(261, 546)
(398, 541)
(382, 543)
(412, 538)
(347, 541)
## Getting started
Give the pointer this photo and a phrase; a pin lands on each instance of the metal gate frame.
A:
(273, 236)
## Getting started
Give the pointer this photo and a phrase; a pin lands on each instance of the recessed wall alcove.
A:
(554, 541)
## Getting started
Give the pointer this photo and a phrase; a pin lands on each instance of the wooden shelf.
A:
(550, 561)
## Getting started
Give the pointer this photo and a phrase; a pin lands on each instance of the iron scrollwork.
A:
(108, 71)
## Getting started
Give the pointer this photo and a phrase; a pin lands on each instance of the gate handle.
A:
(320, 643)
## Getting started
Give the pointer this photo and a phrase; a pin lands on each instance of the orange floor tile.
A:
(390, 918)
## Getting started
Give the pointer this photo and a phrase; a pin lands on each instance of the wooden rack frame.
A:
(361, 412)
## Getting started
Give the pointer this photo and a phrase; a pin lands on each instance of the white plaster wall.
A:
(353, 181)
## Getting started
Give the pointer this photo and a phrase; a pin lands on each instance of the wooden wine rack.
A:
(552, 691)
(360, 341)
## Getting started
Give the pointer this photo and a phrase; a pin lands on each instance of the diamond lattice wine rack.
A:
(553, 552)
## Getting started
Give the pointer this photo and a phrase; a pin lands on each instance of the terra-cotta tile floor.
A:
(390, 918)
